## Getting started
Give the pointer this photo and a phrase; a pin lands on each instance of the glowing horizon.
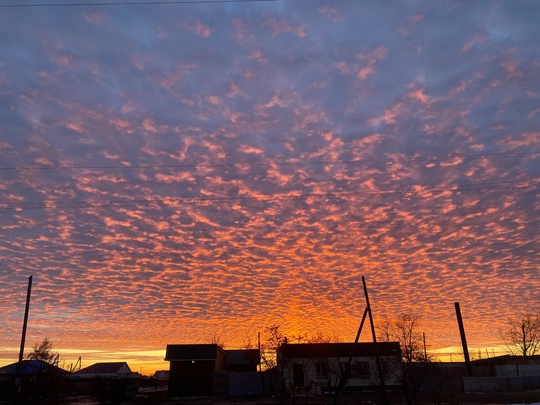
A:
(170, 173)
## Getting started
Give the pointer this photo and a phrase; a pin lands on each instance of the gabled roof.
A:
(243, 357)
(324, 350)
(29, 367)
(192, 352)
(161, 374)
(105, 369)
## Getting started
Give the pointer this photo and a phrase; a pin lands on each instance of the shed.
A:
(192, 368)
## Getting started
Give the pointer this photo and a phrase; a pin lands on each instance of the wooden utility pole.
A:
(18, 380)
(384, 400)
(26, 310)
(463, 341)
(347, 372)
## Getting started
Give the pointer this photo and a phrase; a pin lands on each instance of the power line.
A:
(168, 201)
(420, 159)
(133, 3)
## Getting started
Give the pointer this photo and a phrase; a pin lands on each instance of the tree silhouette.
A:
(405, 330)
(522, 335)
(43, 351)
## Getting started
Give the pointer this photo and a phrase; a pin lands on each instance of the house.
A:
(316, 368)
(30, 368)
(192, 368)
(207, 369)
(109, 381)
(105, 370)
(29, 379)
(161, 375)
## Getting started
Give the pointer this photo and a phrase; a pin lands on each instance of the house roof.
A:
(243, 357)
(161, 374)
(507, 359)
(192, 352)
(106, 368)
(31, 367)
(322, 350)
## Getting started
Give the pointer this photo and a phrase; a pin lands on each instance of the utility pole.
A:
(463, 341)
(384, 400)
(425, 349)
(26, 310)
(18, 380)
(347, 372)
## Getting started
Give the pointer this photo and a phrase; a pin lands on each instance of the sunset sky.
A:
(173, 173)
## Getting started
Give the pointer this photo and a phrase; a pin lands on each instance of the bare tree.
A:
(216, 340)
(405, 330)
(522, 335)
(43, 351)
(384, 330)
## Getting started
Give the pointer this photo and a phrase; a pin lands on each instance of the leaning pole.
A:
(25, 323)
(18, 380)
(384, 400)
(463, 340)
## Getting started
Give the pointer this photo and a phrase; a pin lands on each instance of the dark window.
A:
(298, 375)
(342, 365)
(361, 369)
(385, 368)
(321, 370)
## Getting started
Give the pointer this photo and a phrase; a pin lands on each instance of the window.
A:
(385, 369)
(342, 367)
(321, 370)
(361, 369)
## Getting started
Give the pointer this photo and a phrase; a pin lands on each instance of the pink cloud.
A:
(475, 40)
(420, 96)
(330, 12)
(198, 28)
(511, 69)
(280, 26)
(389, 116)
(366, 71)
(250, 149)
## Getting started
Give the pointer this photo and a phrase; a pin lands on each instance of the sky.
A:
(186, 172)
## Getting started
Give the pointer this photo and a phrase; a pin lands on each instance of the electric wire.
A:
(420, 159)
(174, 201)
(131, 3)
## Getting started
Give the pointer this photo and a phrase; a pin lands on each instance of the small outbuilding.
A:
(192, 368)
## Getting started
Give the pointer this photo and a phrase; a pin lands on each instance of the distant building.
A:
(504, 374)
(316, 368)
(108, 381)
(105, 370)
(161, 374)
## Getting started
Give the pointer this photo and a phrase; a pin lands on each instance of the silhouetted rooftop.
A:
(314, 350)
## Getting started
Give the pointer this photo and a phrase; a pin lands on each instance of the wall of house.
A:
(517, 370)
(492, 384)
(187, 378)
(316, 381)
